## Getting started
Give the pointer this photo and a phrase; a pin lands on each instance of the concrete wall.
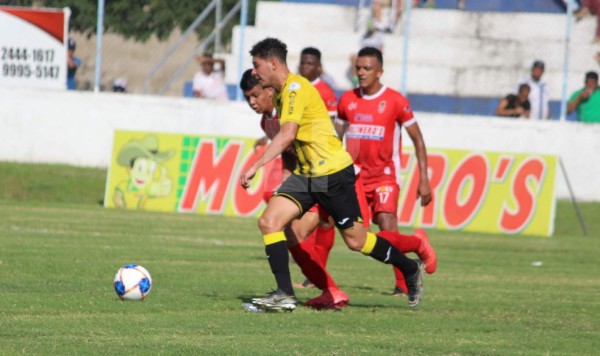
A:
(76, 128)
(451, 52)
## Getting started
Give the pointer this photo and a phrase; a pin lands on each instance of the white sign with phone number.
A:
(29, 55)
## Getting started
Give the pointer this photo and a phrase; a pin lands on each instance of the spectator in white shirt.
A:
(209, 82)
(539, 98)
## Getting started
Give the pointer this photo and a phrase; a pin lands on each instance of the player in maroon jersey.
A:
(370, 117)
(302, 249)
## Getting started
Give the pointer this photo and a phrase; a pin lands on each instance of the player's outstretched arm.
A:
(279, 143)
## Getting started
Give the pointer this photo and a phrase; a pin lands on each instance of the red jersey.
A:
(373, 136)
(327, 94)
(270, 125)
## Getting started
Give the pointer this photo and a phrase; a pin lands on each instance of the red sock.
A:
(307, 259)
(400, 281)
(404, 243)
(325, 236)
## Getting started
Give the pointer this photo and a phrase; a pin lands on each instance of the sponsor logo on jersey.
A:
(366, 132)
(363, 117)
(294, 86)
(292, 97)
(343, 221)
(385, 189)
(381, 107)
(352, 106)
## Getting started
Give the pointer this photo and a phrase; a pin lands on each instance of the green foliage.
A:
(57, 261)
(139, 19)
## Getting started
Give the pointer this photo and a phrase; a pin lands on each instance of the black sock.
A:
(384, 251)
(277, 254)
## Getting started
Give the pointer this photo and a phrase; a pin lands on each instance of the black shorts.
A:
(335, 193)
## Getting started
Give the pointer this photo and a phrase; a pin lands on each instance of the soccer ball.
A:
(132, 282)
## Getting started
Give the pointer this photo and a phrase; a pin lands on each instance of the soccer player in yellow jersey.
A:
(324, 175)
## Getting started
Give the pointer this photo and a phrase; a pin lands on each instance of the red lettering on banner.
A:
(503, 168)
(404, 160)
(210, 176)
(513, 221)
(247, 201)
(457, 212)
(436, 166)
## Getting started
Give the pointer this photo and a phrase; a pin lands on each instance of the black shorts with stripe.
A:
(335, 193)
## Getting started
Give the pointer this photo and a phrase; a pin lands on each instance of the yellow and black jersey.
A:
(318, 148)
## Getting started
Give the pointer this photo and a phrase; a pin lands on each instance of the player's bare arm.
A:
(340, 127)
(424, 191)
(280, 142)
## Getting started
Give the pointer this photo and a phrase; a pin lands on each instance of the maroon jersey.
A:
(373, 134)
(270, 125)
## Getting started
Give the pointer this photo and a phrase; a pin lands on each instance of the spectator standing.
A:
(377, 9)
(73, 64)
(586, 101)
(516, 105)
(587, 8)
(372, 38)
(209, 82)
(539, 98)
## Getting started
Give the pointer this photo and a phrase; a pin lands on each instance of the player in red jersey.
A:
(311, 69)
(371, 116)
(304, 252)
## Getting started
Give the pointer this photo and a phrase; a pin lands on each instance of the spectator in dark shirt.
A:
(515, 105)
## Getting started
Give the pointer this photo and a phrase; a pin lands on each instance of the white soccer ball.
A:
(132, 282)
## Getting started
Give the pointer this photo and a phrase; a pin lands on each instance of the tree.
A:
(138, 19)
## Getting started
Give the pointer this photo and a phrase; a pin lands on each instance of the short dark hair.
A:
(371, 52)
(591, 75)
(268, 48)
(311, 51)
(523, 86)
(248, 80)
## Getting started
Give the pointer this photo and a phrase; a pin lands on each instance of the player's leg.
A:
(324, 236)
(305, 255)
(320, 239)
(279, 212)
(385, 207)
(340, 200)
(302, 247)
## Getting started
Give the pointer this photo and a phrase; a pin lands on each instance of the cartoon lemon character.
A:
(147, 176)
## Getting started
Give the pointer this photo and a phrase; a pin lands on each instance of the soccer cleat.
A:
(330, 299)
(426, 252)
(414, 283)
(276, 301)
(398, 292)
(305, 284)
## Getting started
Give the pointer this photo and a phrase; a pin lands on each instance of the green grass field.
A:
(59, 251)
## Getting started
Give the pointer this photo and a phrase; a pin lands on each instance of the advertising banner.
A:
(33, 50)
(473, 191)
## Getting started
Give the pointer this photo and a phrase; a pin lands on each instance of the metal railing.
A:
(214, 36)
